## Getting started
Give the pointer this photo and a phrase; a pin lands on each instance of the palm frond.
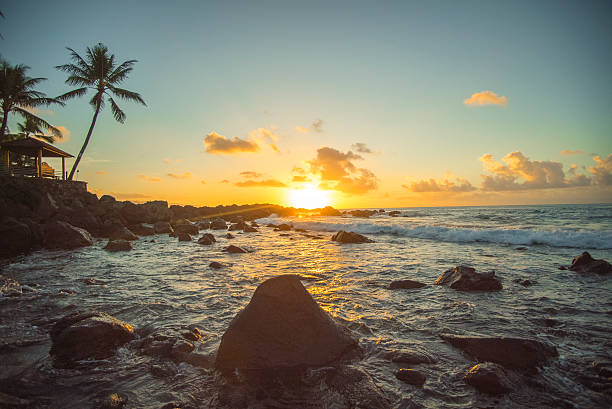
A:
(117, 112)
(72, 94)
(38, 121)
(98, 98)
(127, 95)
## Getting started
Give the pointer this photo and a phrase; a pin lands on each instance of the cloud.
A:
(260, 183)
(361, 148)
(224, 181)
(216, 143)
(186, 175)
(91, 159)
(602, 172)
(101, 172)
(317, 126)
(570, 152)
(302, 129)
(265, 136)
(445, 185)
(486, 98)
(300, 178)
(337, 171)
(298, 170)
(149, 178)
(203, 182)
(65, 134)
(250, 174)
(517, 172)
(170, 161)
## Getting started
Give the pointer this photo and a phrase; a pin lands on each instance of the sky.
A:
(353, 104)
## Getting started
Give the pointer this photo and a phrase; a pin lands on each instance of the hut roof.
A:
(31, 146)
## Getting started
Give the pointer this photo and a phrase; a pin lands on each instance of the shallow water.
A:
(168, 284)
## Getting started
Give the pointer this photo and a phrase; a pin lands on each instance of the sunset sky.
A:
(380, 104)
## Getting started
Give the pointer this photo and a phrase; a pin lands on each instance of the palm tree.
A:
(17, 95)
(28, 127)
(99, 72)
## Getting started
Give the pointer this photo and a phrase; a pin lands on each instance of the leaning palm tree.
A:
(97, 71)
(18, 96)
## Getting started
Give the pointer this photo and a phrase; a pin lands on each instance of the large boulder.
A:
(584, 263)
(142, 229)
(62, 235)
(237, 226)
(158, 211)
(184, 236)
(329, 211)
(218, 224)
(463, 278)
(187, 228)
(163, 227)
(282, 327)
(207, 239)
(87, 335)
(118, 245)
(489, 378)
(350, 237)
(515, 353)
(123, 233)
(15, 238)
(133, 213)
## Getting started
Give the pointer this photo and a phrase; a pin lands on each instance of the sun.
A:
(309, 197)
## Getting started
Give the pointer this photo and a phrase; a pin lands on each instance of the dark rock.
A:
(15, 238)
(183, 236)
(107, 199)
(112, 401)
(249, 229)
(158, 210)
(193, 334)
(186, 228)
(584, 263)
(133, 213)
(142, 229)
(163, 227)
(254, 224)
(123, 234)
(394, 213)
(229, 236)
(409, 356)
(162, 371)
(525, 282)
(463, 278)
(282, 326)
(411, 376)
(405, 284)
(61, 235)
(118, 245)
(489, 378)
(207, 239)
(216, 265)
(234, 249)
(329, 211)
(87, 335)
(350, 237)
(362, 213)
(521, 248)
(284, 227)
(237, 226)
(203, 224)
(516, 353)
(218, 224)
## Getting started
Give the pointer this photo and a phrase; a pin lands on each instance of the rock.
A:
(237, 226)
(207, 239)
(284, 227)
(203, 225)
(234, 249)
(515, 353)
(218, 224)
(62, 235)
(350, 237)
(394, 213)
(84, 335)
(410, 376)
(186, 228)
(409, 356)
(112, 401)
(489, 378)
(215, 264)
(249, 229)
(142, 229)
(405, 285)
(162, 371)
(133, 213)
(15, 238)
(229, 236)
(123, 233)
(163, 227)
(329, 211)
(362, 213)
(584, 263)
(193, 334)
(158, 210)
(282, 327)
(254, 224)
(118, 245)
(107, 199)
(183, 236)
(525, 282)
(463, 278)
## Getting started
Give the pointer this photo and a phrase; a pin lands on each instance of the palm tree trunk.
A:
(4, 123)
(91, 127)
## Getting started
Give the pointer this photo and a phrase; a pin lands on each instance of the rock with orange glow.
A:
(463, 278)
(282, 327)
(350, 237)
(489, 378)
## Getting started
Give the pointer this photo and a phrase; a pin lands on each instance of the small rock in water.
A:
(62, 235)
(215, 264)
(489, 378)
(584, 263)
(350, 237)
(118, 245)
(122, 233)
(187, 228)
(463, 278)
(409, 356)
(405, 285)
(184, 236)
(283, 227)
(163, 227)
(112, 401)
(218, 224)
(411, 376)
(521, 248)
(162, 371)
(229, 236)
(193, 334)
(525, 282)
(207, 239)
(234, 249)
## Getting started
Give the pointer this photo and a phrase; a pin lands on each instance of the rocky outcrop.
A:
(15, 238)
(515, 353)
(61, 235)
(123, 233)
(584, 263)
(188, 228)
(362, 213)
(234, 249)
(218, 224)
(158, 210)
(203, 225)
(329, 211)
(350, 237)
(142, 229)
(87, 335)
(163, 227)
(282, 327)
(405, 285)
(410, 376)
(118, 245)
(463, 278)
(489, 378)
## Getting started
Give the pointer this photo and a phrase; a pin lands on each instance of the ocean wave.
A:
(595, 240)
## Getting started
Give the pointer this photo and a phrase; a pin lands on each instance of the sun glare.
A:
(309, 197)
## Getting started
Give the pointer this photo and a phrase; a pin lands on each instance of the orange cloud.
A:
(65, 134)
(299, 178)
(101, 172)
(361, 148)
(170, 161)
(337, 172)
(316, 126)
(260, 183)
(216, 143)
(150, 178)
(445, 185)
(250, 174)
(265, 136)
(486, 98)
(302, 129)
(570, 152)
(602, 172)
(186, 175)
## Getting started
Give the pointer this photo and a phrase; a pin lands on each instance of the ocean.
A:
(168, 285)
